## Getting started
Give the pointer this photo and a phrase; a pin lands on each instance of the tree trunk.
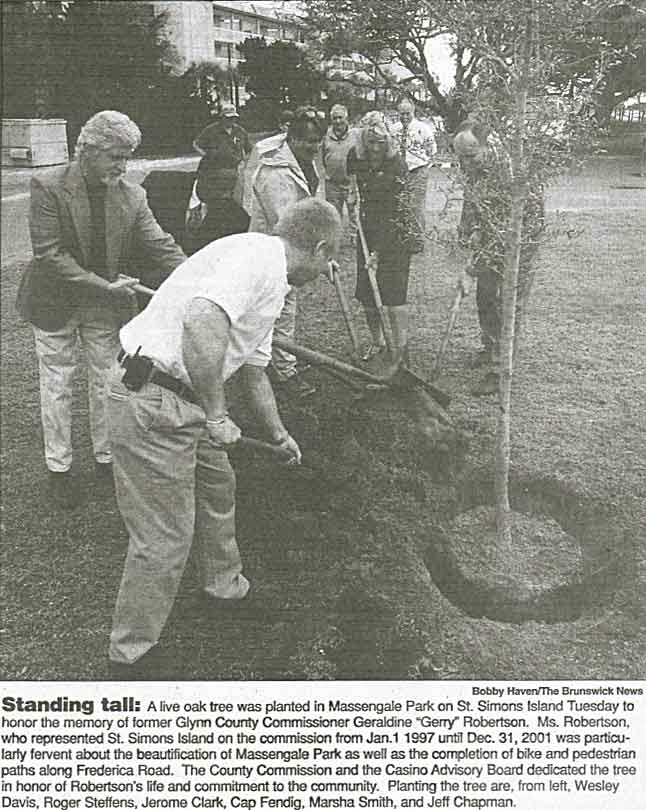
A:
(509, 297)
(510, 288)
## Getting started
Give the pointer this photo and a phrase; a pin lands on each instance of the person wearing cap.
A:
(416, 144)
(284, 120)
(211, 318)
(336, 144)
(386, 221)
(88, 226)
(214, 208)
(286, 173)
(224, 145)
(483, 228)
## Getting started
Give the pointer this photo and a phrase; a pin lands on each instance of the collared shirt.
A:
(311, 175)
(245, 275)
(334, 154)
(417, 140)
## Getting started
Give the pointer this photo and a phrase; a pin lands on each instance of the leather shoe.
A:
(488, 385)
(246, 609)
(103, 473)
(481, 358)
(154, 665)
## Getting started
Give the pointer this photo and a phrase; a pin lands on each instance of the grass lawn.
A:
(346, 570)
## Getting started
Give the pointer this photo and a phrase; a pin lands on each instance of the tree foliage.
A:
(600, 47)
(71, 59)
(605, 55)
(279, 72)
(517, 44)
(381, 30)
(210, 82)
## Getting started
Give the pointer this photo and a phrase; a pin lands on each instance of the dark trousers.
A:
(489, 301)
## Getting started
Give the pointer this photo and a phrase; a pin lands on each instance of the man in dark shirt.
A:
(225, 145)
(88, 226)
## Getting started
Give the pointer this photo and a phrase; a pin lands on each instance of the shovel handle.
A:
(243, 441)
(257, 444)
(345, 310)
(140, 288)
(453, 316)
(306, 354)
(374, 286)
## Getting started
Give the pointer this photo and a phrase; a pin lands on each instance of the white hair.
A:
(406, 104)
(339, 108)
(106, 129)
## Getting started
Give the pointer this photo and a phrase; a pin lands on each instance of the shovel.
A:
(453, 316)
(435, 404)
(437, 400)
(245, 442)
(402, 378)
(345, 309)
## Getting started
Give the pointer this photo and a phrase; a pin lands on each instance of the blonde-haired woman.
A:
(381, 180)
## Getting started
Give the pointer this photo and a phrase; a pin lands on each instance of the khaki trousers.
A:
(173, 487)
(338, 196)
(283, 362)
(418, 179)
(96, 330)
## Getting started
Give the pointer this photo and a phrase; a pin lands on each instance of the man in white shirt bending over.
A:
(168, 417)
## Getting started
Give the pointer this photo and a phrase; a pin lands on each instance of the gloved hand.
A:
(289, 444)
(373, 262)
(332, 268)
(223, 431)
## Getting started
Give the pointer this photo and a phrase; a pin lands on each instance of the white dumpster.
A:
(34, 141)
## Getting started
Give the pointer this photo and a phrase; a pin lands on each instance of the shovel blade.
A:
(407, 380)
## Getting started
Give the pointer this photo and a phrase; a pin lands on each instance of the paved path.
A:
(599, 187)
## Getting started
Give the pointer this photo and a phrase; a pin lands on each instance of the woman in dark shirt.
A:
(381, 181)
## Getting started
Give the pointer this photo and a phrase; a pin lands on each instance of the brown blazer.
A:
(56, 282)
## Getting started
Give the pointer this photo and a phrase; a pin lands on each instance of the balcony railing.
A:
(227, 35)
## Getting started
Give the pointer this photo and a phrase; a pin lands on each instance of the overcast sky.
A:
(441, 62)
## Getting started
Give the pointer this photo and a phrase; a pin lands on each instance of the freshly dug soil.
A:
(535, 576)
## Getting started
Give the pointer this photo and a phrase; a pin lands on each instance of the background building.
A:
(205, 31)
(210, 31)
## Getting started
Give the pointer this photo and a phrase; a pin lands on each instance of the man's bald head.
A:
(470, 144)
(406, 111)
(466, 144)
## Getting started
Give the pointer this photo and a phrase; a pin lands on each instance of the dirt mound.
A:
(535, 572)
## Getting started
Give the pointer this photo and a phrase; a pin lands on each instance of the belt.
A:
(164, 380)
